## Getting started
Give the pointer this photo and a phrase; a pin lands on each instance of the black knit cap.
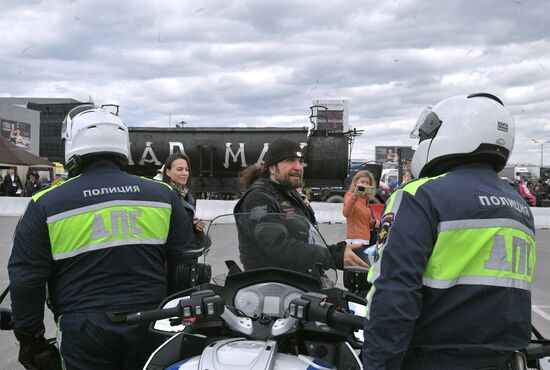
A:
(281, 149)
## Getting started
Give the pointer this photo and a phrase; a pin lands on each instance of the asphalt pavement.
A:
(333, 233)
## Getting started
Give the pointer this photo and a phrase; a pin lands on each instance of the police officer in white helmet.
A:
(456, 250)
(101, 241)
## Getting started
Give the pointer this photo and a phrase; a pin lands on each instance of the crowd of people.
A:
(12, 186)
(443, 293)
(534, 192)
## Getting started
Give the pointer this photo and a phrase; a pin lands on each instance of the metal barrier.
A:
(208, 209)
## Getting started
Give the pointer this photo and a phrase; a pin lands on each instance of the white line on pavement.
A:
(538, 310)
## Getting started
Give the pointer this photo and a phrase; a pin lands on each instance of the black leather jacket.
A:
(264, 242)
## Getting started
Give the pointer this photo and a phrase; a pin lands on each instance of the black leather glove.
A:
(35, 353)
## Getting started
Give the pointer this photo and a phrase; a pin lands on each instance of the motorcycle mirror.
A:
(232, 267)
(219, 279)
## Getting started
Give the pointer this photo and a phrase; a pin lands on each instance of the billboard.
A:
(18, 133)
(399, 157)
(389, 155)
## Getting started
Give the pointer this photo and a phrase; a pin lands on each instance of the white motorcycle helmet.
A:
(463, 129)
(88, 130)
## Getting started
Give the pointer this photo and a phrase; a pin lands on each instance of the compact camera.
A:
(369, 190)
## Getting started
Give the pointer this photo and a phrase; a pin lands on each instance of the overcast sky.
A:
(261, 63)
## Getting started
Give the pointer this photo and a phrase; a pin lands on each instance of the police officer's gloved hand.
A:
(35, 353)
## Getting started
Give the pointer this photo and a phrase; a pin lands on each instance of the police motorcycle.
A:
(259, 318)
(269, 317)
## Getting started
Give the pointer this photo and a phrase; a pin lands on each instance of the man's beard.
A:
(288, 183)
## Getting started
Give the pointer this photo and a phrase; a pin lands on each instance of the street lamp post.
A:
(541, 143)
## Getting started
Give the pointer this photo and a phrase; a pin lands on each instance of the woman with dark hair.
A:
(177, 173)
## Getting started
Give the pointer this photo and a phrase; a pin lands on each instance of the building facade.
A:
(35, 124)
(51, 121)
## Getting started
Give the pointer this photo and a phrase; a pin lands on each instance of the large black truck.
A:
(218, 154)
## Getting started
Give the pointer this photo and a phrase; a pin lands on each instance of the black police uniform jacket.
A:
(452, 279)
(101, 241)
(264, 242)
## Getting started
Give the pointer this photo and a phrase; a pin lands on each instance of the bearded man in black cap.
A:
(271, 189)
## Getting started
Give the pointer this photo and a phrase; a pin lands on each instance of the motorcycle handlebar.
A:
(199, 304)
(536, 351)
(348, 319)
(152, 315)
(315, 307)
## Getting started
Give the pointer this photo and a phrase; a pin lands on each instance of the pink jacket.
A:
(526, 194)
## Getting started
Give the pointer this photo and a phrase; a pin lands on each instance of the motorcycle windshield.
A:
(257, 240)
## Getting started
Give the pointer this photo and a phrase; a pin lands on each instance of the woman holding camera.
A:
(359, 216)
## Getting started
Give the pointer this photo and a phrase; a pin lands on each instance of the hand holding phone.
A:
(362, 189)
(359, 189)
(369, 191)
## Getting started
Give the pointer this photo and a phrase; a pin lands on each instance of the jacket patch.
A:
(385, 226)
(287, 208)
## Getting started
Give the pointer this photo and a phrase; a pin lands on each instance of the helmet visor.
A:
(426, 126)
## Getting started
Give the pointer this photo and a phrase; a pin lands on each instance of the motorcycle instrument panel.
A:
(269, 298)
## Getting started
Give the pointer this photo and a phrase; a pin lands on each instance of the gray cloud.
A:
(261, 63)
